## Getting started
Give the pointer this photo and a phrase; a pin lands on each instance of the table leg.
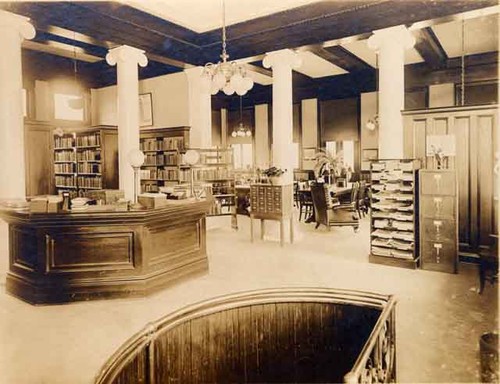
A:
(282, 232)
(251, 229)
(262, 229)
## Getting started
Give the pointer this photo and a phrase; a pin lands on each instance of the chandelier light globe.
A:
(227, 76)
(249, 133)
(228, 89)
(234, 134)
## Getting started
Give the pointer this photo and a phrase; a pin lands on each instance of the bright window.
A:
(243, 156)
(344, 148)
(68, 107)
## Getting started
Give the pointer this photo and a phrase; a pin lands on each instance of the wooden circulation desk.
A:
(64, 257)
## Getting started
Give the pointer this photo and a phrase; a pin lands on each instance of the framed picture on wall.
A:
(145, 110)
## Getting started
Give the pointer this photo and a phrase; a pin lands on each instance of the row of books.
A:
(89, 182)
(64, 168)
(64, 142)
(167, 143)
(89, 168)
(92, 139)
(161, 159)
(200, 174)
(88, 154)
(69, 181)
(159, 174)
(64, 156)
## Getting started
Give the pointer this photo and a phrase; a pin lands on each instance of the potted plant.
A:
(274, 175)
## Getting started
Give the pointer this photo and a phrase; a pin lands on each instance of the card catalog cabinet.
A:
(438, 220)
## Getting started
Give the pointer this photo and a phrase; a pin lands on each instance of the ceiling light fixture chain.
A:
(241, 131)
(227, 76)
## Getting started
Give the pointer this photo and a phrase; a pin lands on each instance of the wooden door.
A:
(38, 143)
(476, 133)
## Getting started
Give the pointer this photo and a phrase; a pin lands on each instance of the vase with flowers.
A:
(274, 175)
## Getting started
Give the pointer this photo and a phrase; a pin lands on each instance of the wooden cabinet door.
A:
(476, 134)
(38, 143)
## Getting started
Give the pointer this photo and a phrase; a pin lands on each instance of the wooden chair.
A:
(488, 264)
(361, 202)
(331, 215)
(305, 203)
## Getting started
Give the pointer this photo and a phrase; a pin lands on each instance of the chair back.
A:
(320, 202)
(354, 192)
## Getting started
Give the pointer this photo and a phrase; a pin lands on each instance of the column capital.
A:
(397, 35)
(282, 57)
(125, 53)
(20, 23)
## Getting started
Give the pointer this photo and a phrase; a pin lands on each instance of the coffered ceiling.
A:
(330, 35)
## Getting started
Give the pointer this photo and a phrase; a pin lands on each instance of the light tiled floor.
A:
(439, 316)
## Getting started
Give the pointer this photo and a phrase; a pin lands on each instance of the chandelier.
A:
(227, 76)
(241, 131)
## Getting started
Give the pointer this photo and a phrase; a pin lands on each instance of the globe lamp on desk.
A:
(136, 159)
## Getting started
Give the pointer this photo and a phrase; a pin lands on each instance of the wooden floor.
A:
(439, 316)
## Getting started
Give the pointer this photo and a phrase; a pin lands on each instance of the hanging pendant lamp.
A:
(227, 76)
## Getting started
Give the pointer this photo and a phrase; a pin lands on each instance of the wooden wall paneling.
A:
(199, 350)
(246, 344)
(236, 367)
(218, 358)
(270, 355)
(109, 155)
(408, 133)
(474, 198)
(419, 141)
(134, 371)
(38, 160)
(284, 341)
(485, 178)
(461, 130)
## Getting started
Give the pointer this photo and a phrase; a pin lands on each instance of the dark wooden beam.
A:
(342, 58)
(429, 47)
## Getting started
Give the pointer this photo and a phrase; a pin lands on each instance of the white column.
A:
(13, 29)
(282, 62)
(262, 136)
(390, 44)
(200, 109)
(126, 59)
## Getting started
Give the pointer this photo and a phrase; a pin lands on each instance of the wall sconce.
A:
(372, 124)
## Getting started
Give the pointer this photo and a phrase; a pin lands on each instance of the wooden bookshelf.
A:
(86, 159)
(215, 169)
(162, 149)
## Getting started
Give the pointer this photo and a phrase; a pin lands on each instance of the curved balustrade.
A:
(300, 335)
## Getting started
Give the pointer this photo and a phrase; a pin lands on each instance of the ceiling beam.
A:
(60, 49)
(258, 69)
(428, 46)
(88, 40)
(341, 57)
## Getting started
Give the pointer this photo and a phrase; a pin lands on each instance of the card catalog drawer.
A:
(438, 183)
(438, 206)
(439, 256)
(438, 229)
